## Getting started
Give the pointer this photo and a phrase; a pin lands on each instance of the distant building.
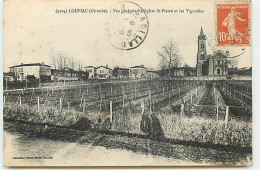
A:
(92, 71)
(184, 71)
(123, 72)
(179, 72)
(138, 72)
(38, 70)
(103, 72)
(210, 65)
(66, 74)
(9, 76)
(152, 74)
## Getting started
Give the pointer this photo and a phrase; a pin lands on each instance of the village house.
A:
(92, 71)
(138, 72)
(152, 74)
(103, 72)
(66, 74)
(122, 73)
(9, 76)
(184, 71)
(38, 70)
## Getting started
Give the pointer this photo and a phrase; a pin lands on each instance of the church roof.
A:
(202, 35)
(201, 31)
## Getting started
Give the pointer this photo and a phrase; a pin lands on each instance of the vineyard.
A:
(215, 112)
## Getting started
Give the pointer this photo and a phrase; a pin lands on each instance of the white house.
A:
(38, 70)
(138, 72)
(92, 71)
(152, 74)
(103, 72)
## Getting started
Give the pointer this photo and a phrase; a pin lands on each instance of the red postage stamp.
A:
(233, 24)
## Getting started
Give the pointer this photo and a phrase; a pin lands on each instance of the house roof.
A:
(104, 67)
(126, 69)
(31, 64)
(138, 66)
(89, 66)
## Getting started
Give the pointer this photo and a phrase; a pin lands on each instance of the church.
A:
(209, 65)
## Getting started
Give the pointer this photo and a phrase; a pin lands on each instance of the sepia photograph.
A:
(127, 83)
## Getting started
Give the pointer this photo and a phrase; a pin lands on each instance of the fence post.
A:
(64, 83)
(4, 100)
(182, 109)
(226, 117)
(217, 108)
(6, 84)
(191, 97)
(84, 108)
(123, 104)
(100, 106)
(60, 104)
(142, 107)
(241, 96)
(20, 101)
(150, 101)
(38, 104)
(111, 112)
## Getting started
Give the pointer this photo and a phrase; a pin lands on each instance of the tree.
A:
(169, 54)
(115, 71)
(59, 61)
(232, 63)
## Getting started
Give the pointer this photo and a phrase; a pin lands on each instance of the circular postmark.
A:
(127, 25)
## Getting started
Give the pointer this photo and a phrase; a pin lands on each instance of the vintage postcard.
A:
(127, 83)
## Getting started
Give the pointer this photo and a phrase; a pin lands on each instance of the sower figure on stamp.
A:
(229, 21)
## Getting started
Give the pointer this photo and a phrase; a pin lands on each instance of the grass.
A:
(174, 126)
(236, 133)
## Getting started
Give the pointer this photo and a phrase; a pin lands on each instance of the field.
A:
(205, 112)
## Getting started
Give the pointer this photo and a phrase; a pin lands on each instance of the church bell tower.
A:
(202, 53)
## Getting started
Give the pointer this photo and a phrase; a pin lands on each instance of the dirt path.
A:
(66, 146)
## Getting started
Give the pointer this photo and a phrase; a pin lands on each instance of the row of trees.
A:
(60, 61)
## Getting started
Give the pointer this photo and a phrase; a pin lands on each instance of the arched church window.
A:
(202, 45)
(202, 55)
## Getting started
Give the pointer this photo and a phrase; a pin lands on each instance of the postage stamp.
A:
(127, 25)
(233, 23)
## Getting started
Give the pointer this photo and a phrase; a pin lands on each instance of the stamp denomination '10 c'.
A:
(233, 24)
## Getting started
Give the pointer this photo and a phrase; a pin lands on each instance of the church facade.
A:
(209, 65)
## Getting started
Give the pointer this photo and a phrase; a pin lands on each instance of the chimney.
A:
(106, 66)
(21, 63)
(42, 63)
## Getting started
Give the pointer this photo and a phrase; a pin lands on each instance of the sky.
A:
(32, 31)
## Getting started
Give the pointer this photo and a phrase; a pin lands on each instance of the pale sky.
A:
(32, 30)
